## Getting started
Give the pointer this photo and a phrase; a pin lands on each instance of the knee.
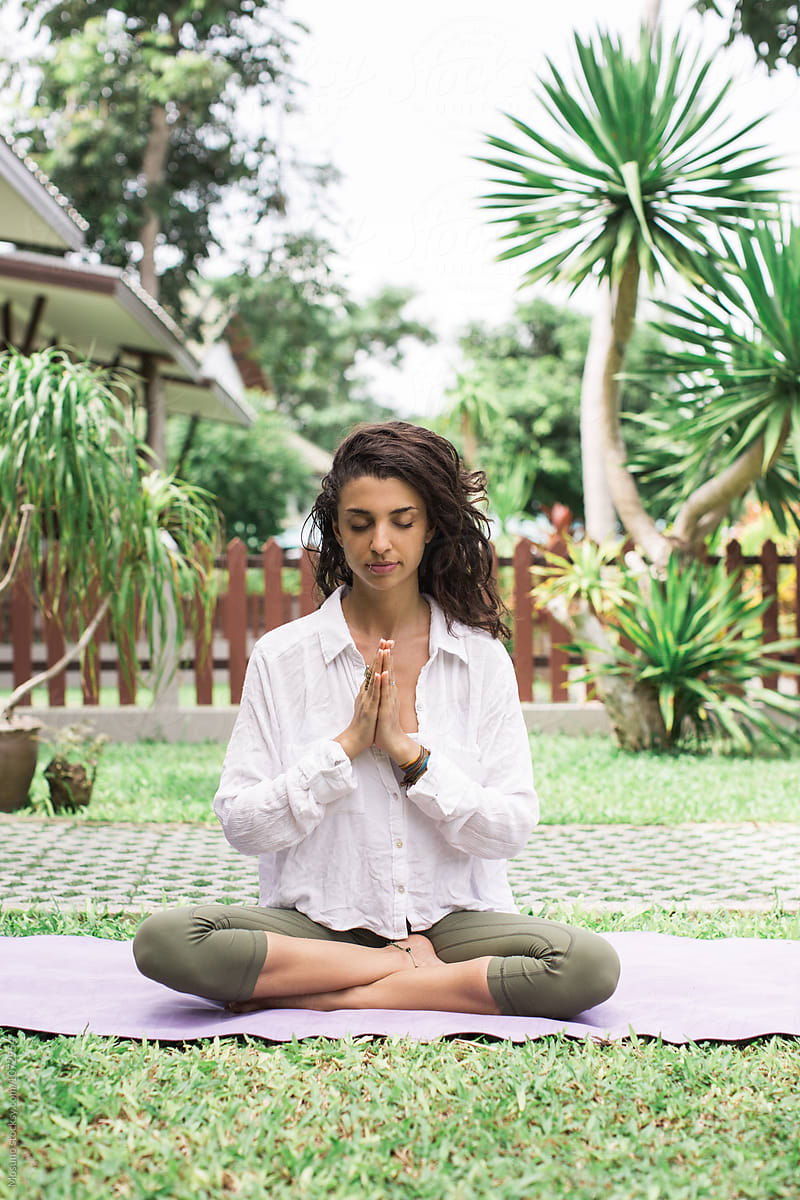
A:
(567, 973)
(595, 964)
(180, 948)
(154, 943)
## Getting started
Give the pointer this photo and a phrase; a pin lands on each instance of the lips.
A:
(382, 568)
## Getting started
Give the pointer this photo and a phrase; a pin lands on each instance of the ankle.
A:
(410, 962)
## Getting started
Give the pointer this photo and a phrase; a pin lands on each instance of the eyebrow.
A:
(364, 512)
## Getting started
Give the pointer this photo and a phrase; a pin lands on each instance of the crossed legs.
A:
(477, 962)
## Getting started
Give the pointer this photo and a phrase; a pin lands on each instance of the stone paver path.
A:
(126, 867)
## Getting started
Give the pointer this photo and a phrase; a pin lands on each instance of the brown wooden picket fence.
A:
(263, 591)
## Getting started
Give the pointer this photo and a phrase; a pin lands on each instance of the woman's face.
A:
(382, 526)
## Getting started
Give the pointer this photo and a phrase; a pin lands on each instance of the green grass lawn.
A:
(455, 1118)
(580, 780)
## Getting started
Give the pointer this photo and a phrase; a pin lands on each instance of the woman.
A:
(380, 769)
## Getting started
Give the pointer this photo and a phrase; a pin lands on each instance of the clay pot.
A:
(19, 749)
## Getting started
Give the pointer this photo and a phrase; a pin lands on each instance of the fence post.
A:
(559, 659)
(523, 619)
(22, 626)
(306, 584)
(236, 617)
(272, 558)
(203, 655)
(769, 588)
(733, 558)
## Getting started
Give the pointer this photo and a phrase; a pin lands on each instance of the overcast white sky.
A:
(399, 98)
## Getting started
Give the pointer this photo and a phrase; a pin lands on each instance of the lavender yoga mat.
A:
(682, 988)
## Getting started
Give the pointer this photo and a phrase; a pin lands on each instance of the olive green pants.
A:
(538, 968)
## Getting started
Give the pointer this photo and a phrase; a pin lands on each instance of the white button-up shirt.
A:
(344, 842)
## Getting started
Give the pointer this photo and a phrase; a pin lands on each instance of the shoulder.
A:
(319, 635)
(289, 638)
(474, 646)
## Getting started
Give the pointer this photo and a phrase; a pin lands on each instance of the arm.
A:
(491, 820)
(262, 805)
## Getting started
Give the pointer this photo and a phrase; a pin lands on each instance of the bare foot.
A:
(422, 953)
(247, 1006)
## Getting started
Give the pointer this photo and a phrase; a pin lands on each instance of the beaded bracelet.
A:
(415, 769)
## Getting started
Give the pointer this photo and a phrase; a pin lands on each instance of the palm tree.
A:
(639, 178)
(473, 411)
(738, 371)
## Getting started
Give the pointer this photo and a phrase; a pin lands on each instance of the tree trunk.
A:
(599, 514)
(156, 436)
(154, 165)
(622, 485)
(154, 171)
(708, 505)
(598, 507)
(632, 708)
(634, 713)
(652, 14)
(26, 518)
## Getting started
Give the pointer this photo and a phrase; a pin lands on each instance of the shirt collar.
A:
(440, 639)
(335, 637)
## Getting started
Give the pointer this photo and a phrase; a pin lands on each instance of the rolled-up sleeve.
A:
(263, 804)
(490, 816)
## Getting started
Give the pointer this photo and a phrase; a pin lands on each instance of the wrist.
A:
(403, 751)
(349, 744)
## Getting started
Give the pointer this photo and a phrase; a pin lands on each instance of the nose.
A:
(381, 541)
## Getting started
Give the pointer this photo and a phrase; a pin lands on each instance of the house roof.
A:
(32, 210)
(104, 314)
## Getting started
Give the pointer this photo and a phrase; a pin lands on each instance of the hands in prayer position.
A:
(376, 716)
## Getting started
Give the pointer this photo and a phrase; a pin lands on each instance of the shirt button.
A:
(401, 889)
(399, 843)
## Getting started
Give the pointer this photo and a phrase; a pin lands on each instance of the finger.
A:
(372, 670)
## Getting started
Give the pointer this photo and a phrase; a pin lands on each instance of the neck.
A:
(374, 616)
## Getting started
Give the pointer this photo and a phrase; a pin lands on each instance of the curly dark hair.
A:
(456, 568)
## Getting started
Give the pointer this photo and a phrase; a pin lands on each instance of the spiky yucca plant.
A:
(698, 647)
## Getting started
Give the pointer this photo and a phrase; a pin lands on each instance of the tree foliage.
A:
(642, 175)
(139, 119)
(518, 398)
(253, 474)
(772, 26)
(732, 402)
(640, 165)
(313, 340)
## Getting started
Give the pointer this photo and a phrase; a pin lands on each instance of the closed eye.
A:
(362, 528)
